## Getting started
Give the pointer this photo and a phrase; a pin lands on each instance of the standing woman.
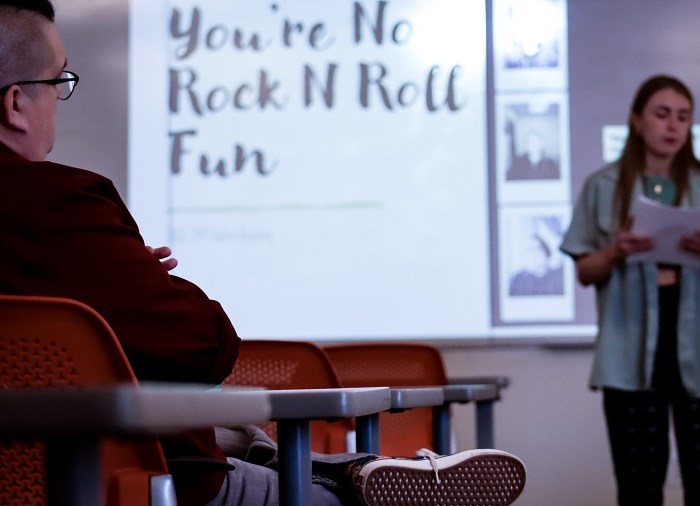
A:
(647, 358)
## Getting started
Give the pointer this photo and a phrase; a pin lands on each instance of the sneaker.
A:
(474, 477)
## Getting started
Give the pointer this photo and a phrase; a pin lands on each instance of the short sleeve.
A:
(591, 220)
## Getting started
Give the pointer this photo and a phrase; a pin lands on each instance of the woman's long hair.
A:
(632, 160)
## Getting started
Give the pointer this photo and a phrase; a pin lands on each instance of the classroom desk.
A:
(440, 398)
(498, 380)
(72, 421)
(484, 396)
(402, 398)
(294, 409)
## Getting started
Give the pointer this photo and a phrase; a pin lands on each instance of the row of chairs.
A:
(57, 343)
(281, 365)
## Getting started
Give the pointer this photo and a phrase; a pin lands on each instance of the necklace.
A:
(660, 188)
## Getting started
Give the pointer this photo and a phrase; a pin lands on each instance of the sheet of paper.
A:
(666, 225)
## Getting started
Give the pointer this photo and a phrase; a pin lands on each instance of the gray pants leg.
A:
(254, 485)
(254, 481)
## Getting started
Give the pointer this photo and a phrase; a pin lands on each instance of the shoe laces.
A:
(432, 456)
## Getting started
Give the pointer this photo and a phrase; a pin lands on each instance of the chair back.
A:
(48, 342)
(393, 365)
(288, 365)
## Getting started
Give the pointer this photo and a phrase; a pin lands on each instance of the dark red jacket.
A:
(66, 232)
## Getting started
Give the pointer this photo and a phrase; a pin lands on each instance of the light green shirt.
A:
(627, 303)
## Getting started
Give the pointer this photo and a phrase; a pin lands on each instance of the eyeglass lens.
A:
(66, 88)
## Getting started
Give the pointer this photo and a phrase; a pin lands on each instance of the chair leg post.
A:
(484, 424)
(441, 429)
(368, 433)
(73, 472)
(294, 462)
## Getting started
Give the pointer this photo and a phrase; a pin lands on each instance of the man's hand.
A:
(162, 253)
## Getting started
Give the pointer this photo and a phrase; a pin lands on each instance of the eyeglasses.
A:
(65, 84)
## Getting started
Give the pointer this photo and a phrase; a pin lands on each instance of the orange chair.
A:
(54, 343)
(393, 365)
(287, 365)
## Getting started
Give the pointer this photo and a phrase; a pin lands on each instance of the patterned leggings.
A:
(638, 424)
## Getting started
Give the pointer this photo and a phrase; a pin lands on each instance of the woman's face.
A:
(664, 123)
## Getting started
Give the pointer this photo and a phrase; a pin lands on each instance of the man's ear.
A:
(13, 114)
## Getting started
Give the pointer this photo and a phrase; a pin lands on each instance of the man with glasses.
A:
(66, 232)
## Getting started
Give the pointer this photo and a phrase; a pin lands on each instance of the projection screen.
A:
(390, 169)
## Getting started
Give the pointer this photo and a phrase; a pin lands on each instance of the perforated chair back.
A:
(288, 365)
(393, 365)
(55, 343)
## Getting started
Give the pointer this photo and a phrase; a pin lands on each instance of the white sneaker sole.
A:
(471, 478)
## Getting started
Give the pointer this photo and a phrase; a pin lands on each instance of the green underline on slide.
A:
(340, 206)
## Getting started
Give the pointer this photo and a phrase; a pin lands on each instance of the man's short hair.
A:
(24, 51)
(43, 7)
